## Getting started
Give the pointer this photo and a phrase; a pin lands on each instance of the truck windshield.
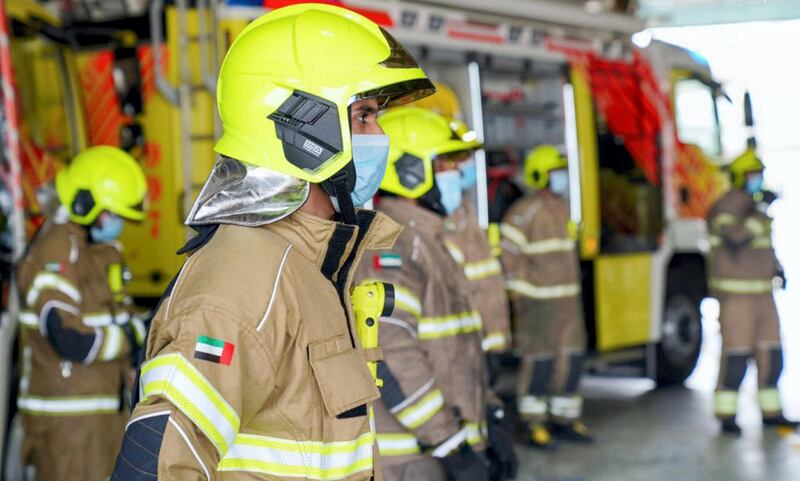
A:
(696, 115)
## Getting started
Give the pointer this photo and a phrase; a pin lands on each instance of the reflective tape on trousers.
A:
(769, 400)
(304, 459)
(725, 402)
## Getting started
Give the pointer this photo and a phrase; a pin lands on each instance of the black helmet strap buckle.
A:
(339, 186)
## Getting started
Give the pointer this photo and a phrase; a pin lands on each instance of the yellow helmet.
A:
(443, 102)
(102, 178)
(540, 162)
(288, 79)
(416, 137)
(463, 132)
(744, 164)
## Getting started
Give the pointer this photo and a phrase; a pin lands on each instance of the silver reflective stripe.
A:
(113, 343)
(532, 405)
(47, 280)
(302, 459)
(566, 407)
(397, 444)
(542, 292)
(547, 246)
(407, 301)
(450, 444)
(64, 406)
(493, 340)
(445, 326)
(482, 269)
(455, 252)
(28, 319)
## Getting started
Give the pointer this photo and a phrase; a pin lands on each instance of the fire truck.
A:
(639, 127)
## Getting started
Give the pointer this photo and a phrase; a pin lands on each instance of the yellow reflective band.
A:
(421, 411)
(568, 407)
(539, 292)
(455, 252)
(548, 246)
(44, 281)
(303, 459)
(533, 405)
(741, 286)
(769, 400)
(173, 377)
(446, 326)
(475, 271)
(725, 403)
(494, 341)
(68, 405)
(756, 227)
(722, 220)
(105, 318)
(139, 331)
(397, 444)
(513, 234)
(113, 342)
(764, 242)
(474, 433)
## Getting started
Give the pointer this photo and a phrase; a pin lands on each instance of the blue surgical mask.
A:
(469, 174)
(559, 181)
(449, 184)
(754, 183)
(109, 230)
(370, 153)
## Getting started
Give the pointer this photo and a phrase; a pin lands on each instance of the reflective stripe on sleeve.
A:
(478, 270)
(68, 405)
(513, 234)
(763, 242)
(741, 286)
(455, 252)
(474, 433)
(542, 292)
(50, 281)
(302, 459)
(405, 300)
(113, 342)
(420, 412)
(723, 220)
(545, 246)
(445, 326)
(29, 319)
(494, 341)
(397, 444)
(176, 379)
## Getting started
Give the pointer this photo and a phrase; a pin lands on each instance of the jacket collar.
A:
(329, 244)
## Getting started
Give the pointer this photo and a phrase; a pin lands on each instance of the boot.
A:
(778, 421)
(729, 426)
(539, 437)
(575, 431)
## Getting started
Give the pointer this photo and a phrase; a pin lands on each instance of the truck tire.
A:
(681, 336)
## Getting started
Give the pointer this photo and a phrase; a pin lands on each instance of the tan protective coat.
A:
(73, 412)
(469, 246)
(297, 380)
(431, 344)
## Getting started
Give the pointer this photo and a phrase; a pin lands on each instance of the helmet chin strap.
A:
(338, 186)
(432, 200)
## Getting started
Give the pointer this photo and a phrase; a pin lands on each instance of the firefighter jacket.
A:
(253, 368)
(434, 376)
(76, 331)
(742, 257)
(469, 246)
(541, 263)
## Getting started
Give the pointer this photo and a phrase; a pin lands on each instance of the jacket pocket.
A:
(341, 374)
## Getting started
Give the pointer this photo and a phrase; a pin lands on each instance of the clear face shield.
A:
(242, 194)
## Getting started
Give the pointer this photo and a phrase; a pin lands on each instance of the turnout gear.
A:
(244, 384)
(469, 246)
(254, 367)
(99, 179)
(742, 268)
(78, 341)
(543, 281)
(434, 379)
(539, 163)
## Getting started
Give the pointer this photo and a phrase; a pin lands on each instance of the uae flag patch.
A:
(214, 350)
(387, 260)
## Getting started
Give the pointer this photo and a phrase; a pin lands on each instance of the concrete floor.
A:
(644, 434)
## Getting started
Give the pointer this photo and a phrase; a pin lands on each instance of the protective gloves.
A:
(464, 464)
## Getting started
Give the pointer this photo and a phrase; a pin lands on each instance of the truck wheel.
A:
(681, 335)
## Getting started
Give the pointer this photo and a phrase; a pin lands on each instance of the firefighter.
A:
(253, 366)
(469, 246)
(744, 271)
(78, 335)
(431, 421)
(543, 280)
